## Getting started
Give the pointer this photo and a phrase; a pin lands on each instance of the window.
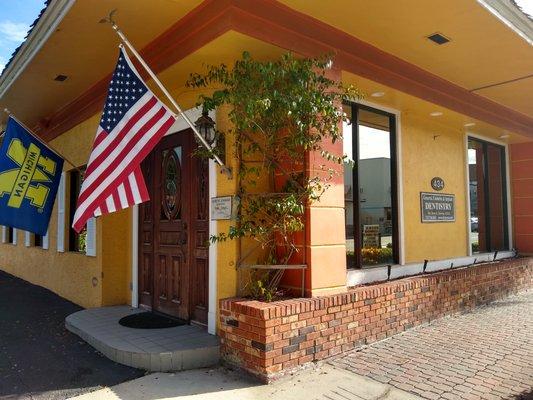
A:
(370, 187)
(11, 235)
(38, 240)
(76, 241)
(488, 196)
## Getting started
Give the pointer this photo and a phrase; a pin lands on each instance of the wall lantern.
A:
(206, 128)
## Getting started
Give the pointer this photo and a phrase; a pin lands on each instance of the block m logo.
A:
(27, 181)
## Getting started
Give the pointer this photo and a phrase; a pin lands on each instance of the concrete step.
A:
(164, 350)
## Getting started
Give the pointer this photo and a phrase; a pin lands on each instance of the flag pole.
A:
(40, 140)
(125, 40)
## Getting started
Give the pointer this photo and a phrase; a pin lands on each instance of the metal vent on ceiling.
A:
(438, 38)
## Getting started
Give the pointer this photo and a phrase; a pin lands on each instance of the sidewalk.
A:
(323, 382)
(483, 354)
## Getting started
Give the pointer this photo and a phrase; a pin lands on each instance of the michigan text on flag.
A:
(29, 177)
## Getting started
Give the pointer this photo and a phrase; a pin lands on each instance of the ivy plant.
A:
(279, 111)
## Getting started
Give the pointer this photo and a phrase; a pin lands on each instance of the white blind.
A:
(27, 239)
(4, 234)
(14, 236)
(61, 215)
(90, 240)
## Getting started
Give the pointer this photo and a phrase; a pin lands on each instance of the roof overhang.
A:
(47, 24)
(199, 24)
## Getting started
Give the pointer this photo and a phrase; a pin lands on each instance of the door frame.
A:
(178, 126)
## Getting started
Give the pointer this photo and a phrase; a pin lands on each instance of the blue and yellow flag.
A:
(29, 177)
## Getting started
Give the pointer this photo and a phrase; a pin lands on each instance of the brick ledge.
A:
(268, 339)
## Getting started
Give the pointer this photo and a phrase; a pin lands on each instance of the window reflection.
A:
(369, 207)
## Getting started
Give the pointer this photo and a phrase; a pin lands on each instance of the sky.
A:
(526, 5)
(15, 19)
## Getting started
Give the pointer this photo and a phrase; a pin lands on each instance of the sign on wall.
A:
(437, 183)
(371, 236)
(437, 207)
(221, 208)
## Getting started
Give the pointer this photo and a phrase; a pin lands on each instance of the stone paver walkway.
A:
(485, 354)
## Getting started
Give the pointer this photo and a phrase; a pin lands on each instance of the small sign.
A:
(437, 183)
(221, 208)
(437, 207)
(371, 236)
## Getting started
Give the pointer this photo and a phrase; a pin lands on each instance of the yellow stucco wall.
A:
(424, 157)
(72, 275)
(116, 258)
(106, 278)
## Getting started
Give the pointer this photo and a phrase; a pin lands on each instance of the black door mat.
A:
(149, 320)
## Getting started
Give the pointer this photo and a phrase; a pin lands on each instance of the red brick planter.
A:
(267, 339)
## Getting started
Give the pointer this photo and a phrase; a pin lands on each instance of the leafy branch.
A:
(280, 111)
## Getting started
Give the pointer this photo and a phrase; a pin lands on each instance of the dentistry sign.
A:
(437, 207)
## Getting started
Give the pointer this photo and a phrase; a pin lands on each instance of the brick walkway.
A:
(485, 354)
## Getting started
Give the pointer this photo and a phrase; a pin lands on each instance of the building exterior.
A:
(428, 107)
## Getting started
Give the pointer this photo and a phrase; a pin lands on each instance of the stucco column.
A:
(522, 195)
(325, 243)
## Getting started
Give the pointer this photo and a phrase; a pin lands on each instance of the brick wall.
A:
(268, 339)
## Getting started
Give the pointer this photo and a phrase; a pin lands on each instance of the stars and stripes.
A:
(132, 123)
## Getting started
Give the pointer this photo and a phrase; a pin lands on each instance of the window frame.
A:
(395, 207)
(504, 154)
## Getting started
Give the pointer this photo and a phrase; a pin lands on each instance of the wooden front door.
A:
(174, 230)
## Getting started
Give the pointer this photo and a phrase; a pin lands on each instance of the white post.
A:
(213, 278)
(135, 258)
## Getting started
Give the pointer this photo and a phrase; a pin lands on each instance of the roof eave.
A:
(38, 36)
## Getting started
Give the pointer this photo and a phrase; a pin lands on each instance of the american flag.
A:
(132, 123)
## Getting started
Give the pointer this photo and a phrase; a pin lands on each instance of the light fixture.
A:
(206, 127)
(378, 94)
(60, 78)
(436, 113)
(504, 136)
(469, 124)
(438, 38)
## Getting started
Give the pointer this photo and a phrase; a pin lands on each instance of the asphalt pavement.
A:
(39, 358)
